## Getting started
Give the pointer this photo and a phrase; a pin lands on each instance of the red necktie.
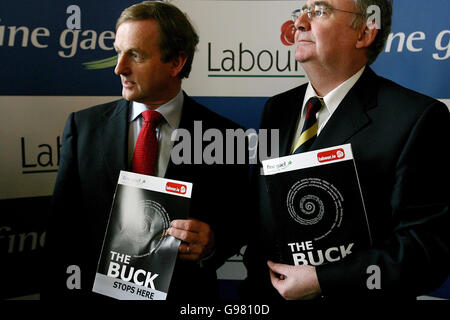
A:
(145, 152)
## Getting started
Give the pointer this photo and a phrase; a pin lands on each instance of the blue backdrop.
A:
(40, 57)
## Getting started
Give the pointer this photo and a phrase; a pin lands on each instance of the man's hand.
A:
(294, 282)
(196, 236)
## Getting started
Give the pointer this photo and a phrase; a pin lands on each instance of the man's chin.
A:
(127, 95)
(300, 57)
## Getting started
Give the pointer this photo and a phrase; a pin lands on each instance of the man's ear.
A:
(178, 63)
(367, 35)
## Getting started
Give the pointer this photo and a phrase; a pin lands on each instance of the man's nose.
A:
(122, 65)
(303, 23)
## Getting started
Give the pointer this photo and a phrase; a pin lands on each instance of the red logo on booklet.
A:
(176, 188)
(331, 155)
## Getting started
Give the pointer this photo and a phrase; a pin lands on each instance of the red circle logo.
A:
(288, 33)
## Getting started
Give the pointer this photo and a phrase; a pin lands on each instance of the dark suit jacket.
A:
(398, 139)
(94, 150)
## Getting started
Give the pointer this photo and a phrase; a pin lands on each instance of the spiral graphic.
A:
(313, 207)
(308, 201)
(308, 207)
(157, 222)
(145, 227)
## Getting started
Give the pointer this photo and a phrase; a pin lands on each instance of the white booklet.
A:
(138, 257)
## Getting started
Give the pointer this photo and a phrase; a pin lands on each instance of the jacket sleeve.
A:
(62, 258)
(414, 259)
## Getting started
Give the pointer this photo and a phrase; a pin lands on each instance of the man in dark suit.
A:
(397, 137)
(155, 44)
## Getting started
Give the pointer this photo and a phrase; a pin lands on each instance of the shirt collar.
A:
(334, 97)
(171, 110)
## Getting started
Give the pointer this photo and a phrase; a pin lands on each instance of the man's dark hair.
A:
(176, 32)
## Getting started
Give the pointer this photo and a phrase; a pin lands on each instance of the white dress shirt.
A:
(171, 112)
(332, 101)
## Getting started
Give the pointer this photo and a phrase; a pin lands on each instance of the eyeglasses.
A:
(318, 11)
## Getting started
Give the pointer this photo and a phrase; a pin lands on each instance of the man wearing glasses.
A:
(395, 134)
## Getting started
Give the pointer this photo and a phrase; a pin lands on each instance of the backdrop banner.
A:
(58, 57)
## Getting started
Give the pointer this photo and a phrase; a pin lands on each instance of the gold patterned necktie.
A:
(310, 127)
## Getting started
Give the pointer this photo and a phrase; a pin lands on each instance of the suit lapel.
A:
(351, 115)
(288, 118)
(188, 115)
(115, 139)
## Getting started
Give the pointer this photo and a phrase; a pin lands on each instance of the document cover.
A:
(137, 257)
(317, 205)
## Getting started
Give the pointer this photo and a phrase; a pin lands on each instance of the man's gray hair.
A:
(384, 30)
